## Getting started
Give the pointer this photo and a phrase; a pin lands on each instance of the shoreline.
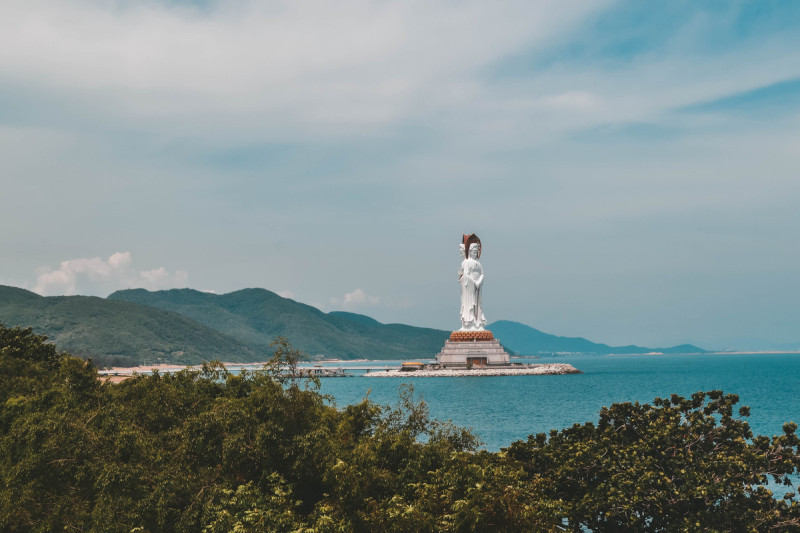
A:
(167, 367)
(760, 352)
(545, 369)
(114, 373)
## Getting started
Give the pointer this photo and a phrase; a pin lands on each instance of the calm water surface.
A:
(504, 409)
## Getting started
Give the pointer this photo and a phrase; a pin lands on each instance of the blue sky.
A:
(631, 167)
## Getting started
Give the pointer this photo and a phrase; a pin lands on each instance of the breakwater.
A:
(527, 370)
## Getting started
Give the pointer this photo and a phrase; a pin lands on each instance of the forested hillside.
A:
(119, 333)
(256, 316)
(185, 326)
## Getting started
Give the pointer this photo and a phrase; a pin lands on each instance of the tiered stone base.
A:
(477, 349)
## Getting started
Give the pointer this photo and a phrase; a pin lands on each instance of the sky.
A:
(632, 168)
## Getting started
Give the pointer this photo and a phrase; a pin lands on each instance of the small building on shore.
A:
(411, 366)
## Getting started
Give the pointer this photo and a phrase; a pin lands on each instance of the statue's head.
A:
(474, 250)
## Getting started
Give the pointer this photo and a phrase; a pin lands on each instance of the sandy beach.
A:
(118, 374)
(146, 369)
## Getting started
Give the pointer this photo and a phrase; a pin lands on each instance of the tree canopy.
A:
(208, 450)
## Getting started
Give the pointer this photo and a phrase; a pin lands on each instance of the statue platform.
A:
(472, 349)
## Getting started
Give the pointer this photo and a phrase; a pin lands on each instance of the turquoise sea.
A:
(504, 409)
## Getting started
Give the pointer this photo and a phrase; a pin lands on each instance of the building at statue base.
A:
(472, 349)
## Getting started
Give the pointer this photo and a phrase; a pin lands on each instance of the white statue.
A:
(470, 276)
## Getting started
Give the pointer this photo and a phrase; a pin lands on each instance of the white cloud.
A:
(268, 69)
(356, 299)
(252, 72)
(286, 294)
(95, 275)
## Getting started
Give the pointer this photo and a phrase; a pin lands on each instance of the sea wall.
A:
(528, 370)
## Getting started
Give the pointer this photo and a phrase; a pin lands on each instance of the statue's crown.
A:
(469, 240)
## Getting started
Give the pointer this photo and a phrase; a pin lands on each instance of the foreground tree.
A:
(207, 450)
(676, 465)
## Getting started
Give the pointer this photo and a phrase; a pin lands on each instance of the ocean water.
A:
(501, 410)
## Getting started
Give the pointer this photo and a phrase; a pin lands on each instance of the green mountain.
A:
(118, 332)
(354, 317)
(256, 316)
(186, 326)
(527, 340)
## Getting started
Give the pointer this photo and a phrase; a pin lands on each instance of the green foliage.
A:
(283, 365)
(207, 450)
(250, 509)
(677, 465)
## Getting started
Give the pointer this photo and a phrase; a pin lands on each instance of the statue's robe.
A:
(471, 308)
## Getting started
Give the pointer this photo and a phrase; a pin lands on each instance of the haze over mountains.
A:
(186, 326)
(527, 340)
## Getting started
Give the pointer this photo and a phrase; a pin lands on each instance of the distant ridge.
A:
(526, 340)
(117, 332)
(256, 316)
(355, 317)
(186, 326)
